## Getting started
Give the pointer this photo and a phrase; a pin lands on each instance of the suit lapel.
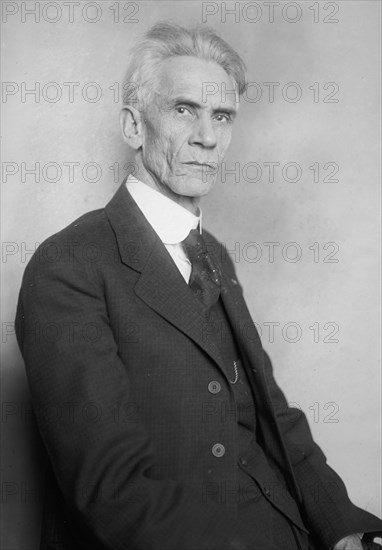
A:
(163, 288)
(160, 284)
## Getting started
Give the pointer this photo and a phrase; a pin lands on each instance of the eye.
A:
(223, 117)
(182, 110)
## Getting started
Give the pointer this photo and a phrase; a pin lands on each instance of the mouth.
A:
(202, 165)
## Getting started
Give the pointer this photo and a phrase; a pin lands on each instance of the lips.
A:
(205, 165)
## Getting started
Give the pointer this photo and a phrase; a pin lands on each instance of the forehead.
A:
(203, 81)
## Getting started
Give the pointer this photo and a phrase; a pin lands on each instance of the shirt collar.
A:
(169, 220)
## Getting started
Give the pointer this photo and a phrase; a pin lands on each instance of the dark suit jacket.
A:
(119, 358)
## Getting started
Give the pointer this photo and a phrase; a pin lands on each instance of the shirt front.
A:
(170, 221)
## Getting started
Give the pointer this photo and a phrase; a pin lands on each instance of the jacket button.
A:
(218, 450)
(243, 461)
(214, 386)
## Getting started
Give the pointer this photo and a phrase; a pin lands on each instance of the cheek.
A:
(157, 132)
(155, 147)
(172, 142)
(177, 136)
(164, 141)
(224, 140)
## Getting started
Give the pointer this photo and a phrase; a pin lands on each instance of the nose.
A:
(203, 133)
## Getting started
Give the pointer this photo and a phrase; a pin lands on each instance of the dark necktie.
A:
(205, 275)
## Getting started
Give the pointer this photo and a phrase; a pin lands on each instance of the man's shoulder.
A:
(94, 223)
(89, 239)
(92, 227)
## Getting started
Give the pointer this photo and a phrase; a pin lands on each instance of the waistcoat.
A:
(261, 490)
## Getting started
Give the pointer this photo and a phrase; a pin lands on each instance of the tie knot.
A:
(194, 245)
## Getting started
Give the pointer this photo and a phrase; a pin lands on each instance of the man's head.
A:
(182, 91)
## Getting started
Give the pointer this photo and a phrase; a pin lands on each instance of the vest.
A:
(261, 488)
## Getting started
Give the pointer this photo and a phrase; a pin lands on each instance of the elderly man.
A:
(169, 431)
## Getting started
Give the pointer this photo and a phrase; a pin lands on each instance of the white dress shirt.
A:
(170, 221)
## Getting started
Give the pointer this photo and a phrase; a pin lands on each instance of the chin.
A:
(194, 187)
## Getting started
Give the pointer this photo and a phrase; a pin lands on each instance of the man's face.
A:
(186, 131)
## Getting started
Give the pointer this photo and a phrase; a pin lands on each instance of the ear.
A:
(131, 126)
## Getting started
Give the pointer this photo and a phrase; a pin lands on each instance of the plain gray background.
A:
(321, 299)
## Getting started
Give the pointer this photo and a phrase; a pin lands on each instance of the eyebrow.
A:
(187, 101)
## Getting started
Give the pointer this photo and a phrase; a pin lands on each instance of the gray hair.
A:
(167, 39)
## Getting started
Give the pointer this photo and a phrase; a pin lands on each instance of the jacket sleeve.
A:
(102, 463)
(325, 505)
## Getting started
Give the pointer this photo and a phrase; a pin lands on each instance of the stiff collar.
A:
(170, 221)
